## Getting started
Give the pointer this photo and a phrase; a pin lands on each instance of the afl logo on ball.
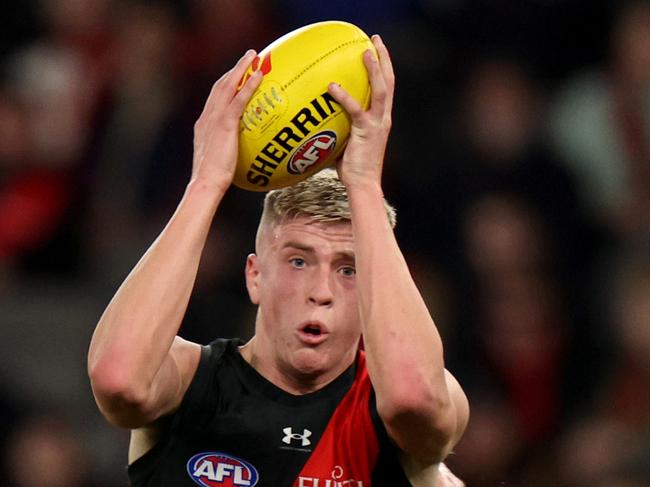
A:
(215, 469)
(313, 151)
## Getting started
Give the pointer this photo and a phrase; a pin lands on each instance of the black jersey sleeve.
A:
(388, 471)
(203, 393)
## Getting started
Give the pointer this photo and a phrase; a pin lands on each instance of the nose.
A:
(320, 292)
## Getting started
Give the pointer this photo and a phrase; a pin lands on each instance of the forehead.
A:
(305, 231)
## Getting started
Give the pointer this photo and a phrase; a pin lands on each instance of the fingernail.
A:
(249, 52)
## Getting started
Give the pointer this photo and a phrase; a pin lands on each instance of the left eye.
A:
(297, 262)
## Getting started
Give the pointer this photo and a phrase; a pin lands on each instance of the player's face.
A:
(303, 280)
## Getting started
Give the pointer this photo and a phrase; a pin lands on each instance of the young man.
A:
(299, 404)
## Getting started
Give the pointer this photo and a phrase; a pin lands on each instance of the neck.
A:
(292, 381)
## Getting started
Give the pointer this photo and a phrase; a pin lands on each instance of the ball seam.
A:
(319, 59)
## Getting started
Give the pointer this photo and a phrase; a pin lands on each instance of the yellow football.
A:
(292, 127)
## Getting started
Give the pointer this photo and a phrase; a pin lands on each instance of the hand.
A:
(216, 132)
(363, 158)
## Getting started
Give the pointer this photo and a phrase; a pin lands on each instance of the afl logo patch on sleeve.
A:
(216, 469)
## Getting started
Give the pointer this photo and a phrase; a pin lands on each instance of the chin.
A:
(310, 362)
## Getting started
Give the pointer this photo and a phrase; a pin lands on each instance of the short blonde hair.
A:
(321, 197)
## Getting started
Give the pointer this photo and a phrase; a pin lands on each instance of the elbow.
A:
(428, 406)
(113, 382)
(121, 400)
(422, 424)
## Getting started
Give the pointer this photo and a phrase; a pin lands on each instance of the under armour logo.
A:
(290, 435)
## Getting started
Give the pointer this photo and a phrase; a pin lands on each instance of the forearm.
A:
(137, 329)
(404, 349)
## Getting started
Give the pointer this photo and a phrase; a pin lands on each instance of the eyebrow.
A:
(298, 246)
(309, 249)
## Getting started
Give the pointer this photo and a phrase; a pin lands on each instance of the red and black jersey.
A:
(234, 428)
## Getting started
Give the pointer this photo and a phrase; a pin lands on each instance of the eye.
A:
(348, 271)
(297, 262)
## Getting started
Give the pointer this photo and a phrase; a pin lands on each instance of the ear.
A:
(252, 277)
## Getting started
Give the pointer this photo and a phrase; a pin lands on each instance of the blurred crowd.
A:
(519, 164)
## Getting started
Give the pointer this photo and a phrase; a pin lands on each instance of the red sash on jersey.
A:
(347, 451)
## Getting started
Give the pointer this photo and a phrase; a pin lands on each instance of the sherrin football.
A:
(292, 127)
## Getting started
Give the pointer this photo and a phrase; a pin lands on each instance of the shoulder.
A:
(206, 362)
(196, 365)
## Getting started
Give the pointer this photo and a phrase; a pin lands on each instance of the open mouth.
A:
(312, 330)
(313, 333)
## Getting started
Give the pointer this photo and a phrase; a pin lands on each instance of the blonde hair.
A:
(321, 197)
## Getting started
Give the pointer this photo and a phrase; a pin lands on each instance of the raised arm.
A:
(139, 368)
(423, 407)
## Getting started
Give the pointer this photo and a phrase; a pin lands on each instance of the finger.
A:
(236, 74)
(346, 100)
(377, 83)
(244, 95)
(384, 58)
(245, 60)
(214, 97)
(386, 66)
